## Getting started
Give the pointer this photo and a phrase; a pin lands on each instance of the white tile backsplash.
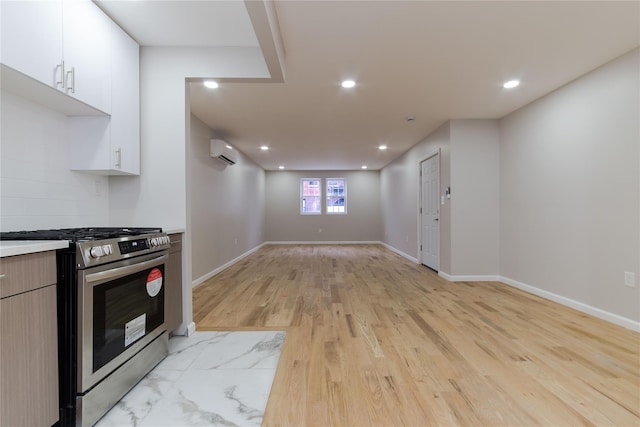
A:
(37, 189)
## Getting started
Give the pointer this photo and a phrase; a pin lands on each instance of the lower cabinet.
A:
(173, 291)
(28, 341)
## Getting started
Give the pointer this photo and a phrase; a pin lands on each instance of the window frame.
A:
(327, 196)
(303, 196)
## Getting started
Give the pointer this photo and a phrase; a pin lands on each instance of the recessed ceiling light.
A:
(410, 118)
(382, 147)
(211, 84)
(364, 166)
(348, 84)
(264, 147)
(511, 84)
(280, 167)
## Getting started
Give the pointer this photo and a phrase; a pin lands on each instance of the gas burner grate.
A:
(78, 234)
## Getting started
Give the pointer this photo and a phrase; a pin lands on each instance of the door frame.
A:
(429, 155)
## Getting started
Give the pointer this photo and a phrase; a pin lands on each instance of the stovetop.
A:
(75, 235)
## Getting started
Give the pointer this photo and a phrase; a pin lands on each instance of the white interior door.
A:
(430, 212)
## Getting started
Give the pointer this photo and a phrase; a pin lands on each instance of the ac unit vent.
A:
(221, 150)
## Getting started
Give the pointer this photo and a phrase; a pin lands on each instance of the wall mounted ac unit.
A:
(222, 150)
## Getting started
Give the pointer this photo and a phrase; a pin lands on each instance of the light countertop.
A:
(173, 230)
(21, 247)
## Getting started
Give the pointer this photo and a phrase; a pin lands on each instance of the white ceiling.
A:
(433, 60)
(183, 22)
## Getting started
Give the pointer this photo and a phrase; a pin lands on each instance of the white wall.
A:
(475, 204)
(362, 223)
(400, 191)
(160, 195)
(37, 190)
(469, 164)
(227, 205)
(164, 115)
(546, 199)
(569, 190)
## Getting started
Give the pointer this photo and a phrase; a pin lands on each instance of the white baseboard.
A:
(341, 242)
(209, 275)
(185, 331)
(191, 329)
(568, 302)
(593, 311)
(399, 252)
(472, 278)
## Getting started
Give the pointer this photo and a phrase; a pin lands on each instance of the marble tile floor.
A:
(208, 379)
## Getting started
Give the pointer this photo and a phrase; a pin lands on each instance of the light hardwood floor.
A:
(375, 340)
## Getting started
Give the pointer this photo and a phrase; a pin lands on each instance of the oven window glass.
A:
(125, 310)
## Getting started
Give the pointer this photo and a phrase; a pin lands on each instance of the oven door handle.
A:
(123, 271)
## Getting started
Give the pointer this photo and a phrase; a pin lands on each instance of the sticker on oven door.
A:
(154, 282)
(134, 329)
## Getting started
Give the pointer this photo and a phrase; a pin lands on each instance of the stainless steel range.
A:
(110, 314)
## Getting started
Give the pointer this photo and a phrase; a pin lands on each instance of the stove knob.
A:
(107, 249)
(96, 251)
(154, 242)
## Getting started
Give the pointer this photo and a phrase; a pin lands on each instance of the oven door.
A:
(121, 311)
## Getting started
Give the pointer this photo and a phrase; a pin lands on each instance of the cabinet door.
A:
(24, 273)
(125, 102)
(29, 355)
(111, 145)
(89, 143)
(87, 48)
(32, 38)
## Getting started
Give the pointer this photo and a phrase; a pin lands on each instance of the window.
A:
(310, 196)
(336, 196)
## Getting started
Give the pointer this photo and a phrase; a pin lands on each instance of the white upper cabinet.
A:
(111, 145)
(63, 44)
(125, 102)
(86, 50)
(32, 39)
(71, 57)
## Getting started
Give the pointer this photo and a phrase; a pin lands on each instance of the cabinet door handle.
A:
(59, 82)
(118, 158)
(71, 87)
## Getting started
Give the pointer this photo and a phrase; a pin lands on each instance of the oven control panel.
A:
(136, 245)
(97, 252)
